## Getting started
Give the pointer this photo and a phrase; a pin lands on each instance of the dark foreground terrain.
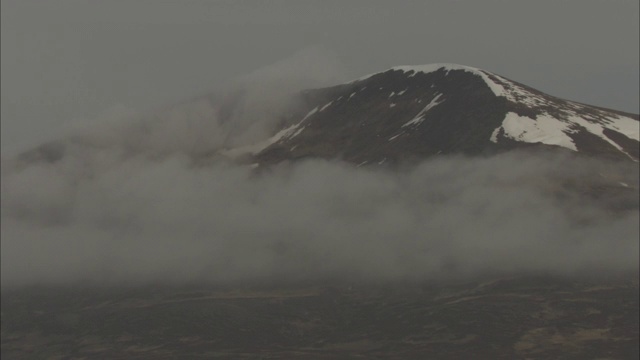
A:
(510, 318)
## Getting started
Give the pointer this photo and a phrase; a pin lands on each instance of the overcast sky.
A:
(70, 61)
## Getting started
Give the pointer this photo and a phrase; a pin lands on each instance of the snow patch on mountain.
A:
(326, 106)
(568, 117)
(549, 130)
(418, 119)
(542, 129)
(624, 125)
(619, 125)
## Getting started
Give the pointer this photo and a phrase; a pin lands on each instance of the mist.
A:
(130, 201)
(149, 220)
(236, 113)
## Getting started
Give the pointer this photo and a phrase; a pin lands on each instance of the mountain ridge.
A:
(481, 101)
(401, 114)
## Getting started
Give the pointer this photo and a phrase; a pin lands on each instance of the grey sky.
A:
(69, 61)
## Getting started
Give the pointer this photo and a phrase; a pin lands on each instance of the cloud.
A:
(242, 112)
(128, 200)
(164, 220)
(269, 92)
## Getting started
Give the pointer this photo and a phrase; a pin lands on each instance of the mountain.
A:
(419, 111)
(403, 114)
(469, 257)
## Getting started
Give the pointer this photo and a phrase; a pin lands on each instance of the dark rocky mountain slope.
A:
(420, 111)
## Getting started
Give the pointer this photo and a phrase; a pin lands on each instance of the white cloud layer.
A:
(164, 220)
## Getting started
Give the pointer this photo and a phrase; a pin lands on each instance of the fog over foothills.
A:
(163, 220)
(128, 204)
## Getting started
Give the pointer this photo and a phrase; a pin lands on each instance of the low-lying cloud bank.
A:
(164, 220)
(124, 202)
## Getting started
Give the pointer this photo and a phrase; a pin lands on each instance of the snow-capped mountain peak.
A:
(422, 110)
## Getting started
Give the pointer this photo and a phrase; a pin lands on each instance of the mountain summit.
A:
(419, 111)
